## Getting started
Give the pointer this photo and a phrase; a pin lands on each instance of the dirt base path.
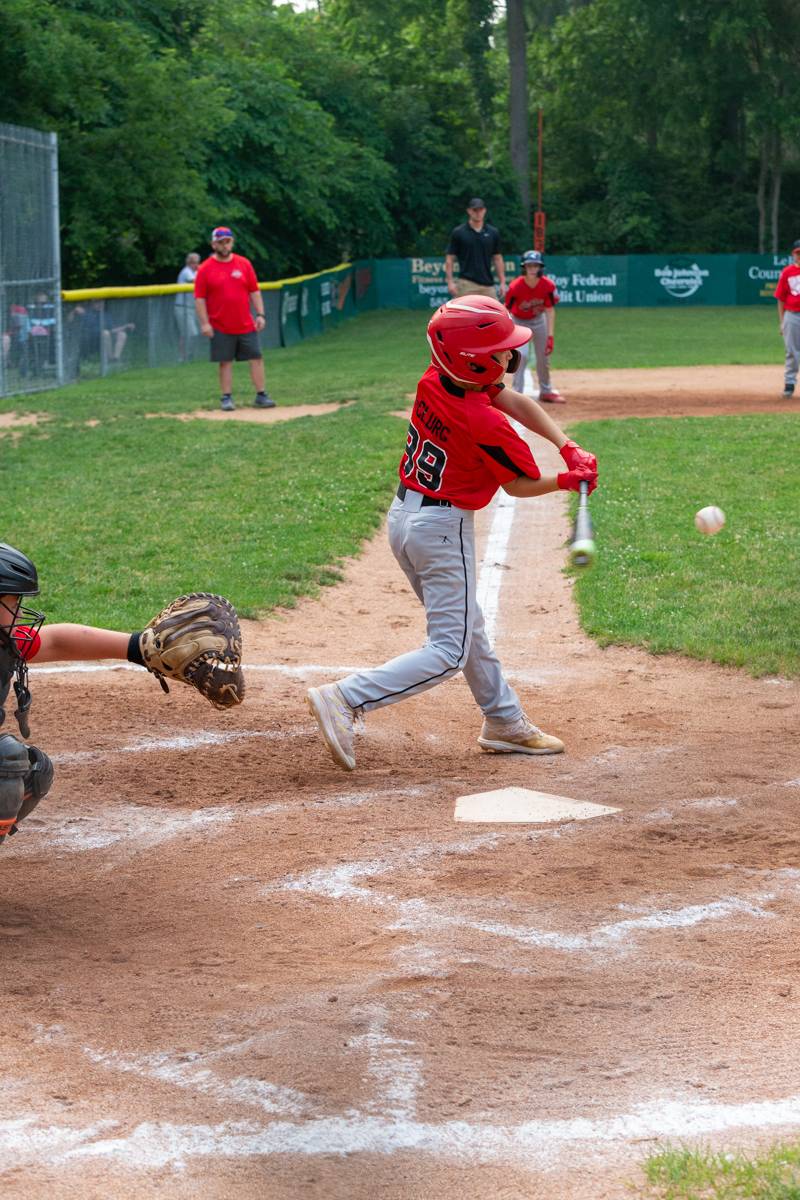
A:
(231, 969)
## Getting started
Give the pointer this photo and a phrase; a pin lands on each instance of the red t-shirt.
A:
(788, 289)
(530, 302)
(459, 447)
(226, 288)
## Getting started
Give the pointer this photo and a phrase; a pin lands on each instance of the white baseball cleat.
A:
(520, 737)
(335, 718)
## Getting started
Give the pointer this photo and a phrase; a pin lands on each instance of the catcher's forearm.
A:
(64, 643)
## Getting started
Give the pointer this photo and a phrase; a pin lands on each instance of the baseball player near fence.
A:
(787, 293)
(460, 449)
(195, 640)
(531, 300)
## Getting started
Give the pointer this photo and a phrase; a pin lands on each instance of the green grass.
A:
(677, 1174)
(665, 337)
(123, 514)
(658, 583)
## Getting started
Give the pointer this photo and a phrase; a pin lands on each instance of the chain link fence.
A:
(31, 337)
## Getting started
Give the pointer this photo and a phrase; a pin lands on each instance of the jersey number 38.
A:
(424, 462)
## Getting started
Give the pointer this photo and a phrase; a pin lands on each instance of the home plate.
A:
(515, 804)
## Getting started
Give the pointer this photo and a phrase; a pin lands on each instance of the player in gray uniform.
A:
(531, 300)
(460, 448)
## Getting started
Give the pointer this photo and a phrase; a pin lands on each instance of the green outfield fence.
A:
(621, 280)
(96, 331)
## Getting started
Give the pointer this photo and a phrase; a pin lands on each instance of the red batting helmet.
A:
(466, 333)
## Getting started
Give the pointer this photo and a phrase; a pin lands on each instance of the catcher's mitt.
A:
(197, 640)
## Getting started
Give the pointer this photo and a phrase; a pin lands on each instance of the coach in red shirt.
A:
(225, 295)
(787, 293)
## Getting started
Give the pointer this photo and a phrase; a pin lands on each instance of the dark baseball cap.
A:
(221, 231)
(476, 202)
(796, 245)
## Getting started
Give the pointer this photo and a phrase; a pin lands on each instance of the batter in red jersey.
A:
(460, 449)
(531, 300)
(787, 293)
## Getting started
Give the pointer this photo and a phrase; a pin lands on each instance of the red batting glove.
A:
(570, 481)
(575, 457)
(548, 348)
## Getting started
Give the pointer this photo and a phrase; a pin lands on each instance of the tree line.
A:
(361, 127)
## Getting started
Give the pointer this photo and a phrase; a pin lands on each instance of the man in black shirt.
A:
(476, 246)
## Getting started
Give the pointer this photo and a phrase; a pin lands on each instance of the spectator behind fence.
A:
(98, 335)
(225, 293)
(42, 315)
(185, 315)
(16, 339)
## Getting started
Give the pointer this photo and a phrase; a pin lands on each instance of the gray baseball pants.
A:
(436, 549)
(791, 340)
(539, 341)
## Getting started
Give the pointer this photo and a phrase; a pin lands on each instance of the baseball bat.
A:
(582, 548)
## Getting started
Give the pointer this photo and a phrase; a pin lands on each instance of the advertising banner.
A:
(757, 275)
(366, 290)
(681, 279)
(328, 312)
(589, 281)
(290, 314)
(310, 315)
(271, 334)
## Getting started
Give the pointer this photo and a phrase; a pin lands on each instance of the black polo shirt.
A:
(474, 250)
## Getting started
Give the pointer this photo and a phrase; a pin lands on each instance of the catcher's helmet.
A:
(18, 575)
(466, 333)
(532, 256)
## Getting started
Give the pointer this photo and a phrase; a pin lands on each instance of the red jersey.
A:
(226, 288)
(528, 302)
(788, 288)
(459, 447)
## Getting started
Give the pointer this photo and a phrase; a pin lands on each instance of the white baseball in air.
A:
(709, 519)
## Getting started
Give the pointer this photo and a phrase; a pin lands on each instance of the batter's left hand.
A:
(576, 457)
(548, 347)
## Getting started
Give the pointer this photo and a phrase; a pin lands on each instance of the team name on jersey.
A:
(432, 423)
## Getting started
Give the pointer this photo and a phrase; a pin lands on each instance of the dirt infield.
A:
(231, 969)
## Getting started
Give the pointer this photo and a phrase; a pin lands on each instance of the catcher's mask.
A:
(19, 628)
(465, 334)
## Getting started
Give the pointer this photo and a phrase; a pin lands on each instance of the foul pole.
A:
(539, 218)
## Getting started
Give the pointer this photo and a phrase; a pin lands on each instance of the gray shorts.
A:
(227, 347)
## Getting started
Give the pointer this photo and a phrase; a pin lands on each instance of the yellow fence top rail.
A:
(170, 289)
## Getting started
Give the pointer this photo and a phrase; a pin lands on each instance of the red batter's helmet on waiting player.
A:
(466, 333)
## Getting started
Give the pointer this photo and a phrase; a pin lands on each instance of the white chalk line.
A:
(490, 580)
(342, 882)
(194, 1076)
(152, 1145)
(386, 1125)
(138, 827)
(179, 742)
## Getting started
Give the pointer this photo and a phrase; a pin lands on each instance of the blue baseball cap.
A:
(221, 231)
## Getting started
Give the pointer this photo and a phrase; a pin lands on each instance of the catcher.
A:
(195, 640)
